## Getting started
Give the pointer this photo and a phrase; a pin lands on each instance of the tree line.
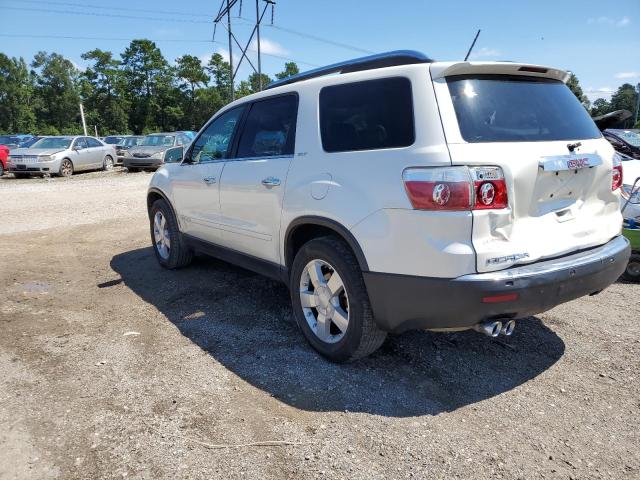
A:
(142, 92)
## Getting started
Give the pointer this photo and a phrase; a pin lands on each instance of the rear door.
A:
(98, 152)
(196, 181)
(557, 167)
(82, 156)
(253, 183)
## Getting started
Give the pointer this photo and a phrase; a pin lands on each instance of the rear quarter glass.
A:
(503, 108)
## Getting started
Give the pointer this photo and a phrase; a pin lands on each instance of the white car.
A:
(402, 194)
(631, 173)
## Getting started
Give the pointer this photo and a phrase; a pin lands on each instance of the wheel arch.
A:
(303, 229)
(154, 194)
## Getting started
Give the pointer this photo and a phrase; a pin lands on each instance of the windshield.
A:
(111, 140)
(631, 138)
(499, 108)
(29, 143)
(6, 140)
(157, 140)
(129, 141)
(53, 142)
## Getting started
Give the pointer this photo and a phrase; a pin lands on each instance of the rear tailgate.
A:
(560, 197)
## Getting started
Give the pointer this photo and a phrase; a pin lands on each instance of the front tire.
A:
(66, 168)
(330, 301)
(632, 272)
(168, 243)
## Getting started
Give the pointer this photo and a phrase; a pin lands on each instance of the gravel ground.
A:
(112, 368)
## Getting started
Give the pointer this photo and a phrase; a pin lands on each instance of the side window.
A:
(368, 115)
(80, 143)
(270, 128)
(92, 142)
(213, 144)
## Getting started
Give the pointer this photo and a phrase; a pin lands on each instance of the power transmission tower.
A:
(225, 10)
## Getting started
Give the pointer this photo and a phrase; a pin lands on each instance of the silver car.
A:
(61, 156)
(155, 150)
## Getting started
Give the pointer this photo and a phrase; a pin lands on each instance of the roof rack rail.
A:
(380, 60)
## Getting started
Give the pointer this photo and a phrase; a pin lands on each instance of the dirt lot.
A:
(112, 367)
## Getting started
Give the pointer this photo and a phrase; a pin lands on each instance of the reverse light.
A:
(456, 188)
(616, 181)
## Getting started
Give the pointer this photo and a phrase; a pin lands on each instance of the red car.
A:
(4, 155)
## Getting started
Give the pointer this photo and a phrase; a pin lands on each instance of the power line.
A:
(111, 7)
(110, 15)
(123, 39)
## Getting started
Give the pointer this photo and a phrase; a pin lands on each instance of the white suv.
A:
(402, 193)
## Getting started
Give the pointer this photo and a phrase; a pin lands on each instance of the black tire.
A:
(108, 163)
(362, 336)
(180, 255)
(66, 168)
(632, 272)
(1, 169)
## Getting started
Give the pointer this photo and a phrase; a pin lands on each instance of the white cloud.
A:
(205, 57)
(621, 22)
(628, 75)
(485, 52)
(269, 47)
(602, 92)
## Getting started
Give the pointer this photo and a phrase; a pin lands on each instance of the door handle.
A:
(209, 180)
(271, 182)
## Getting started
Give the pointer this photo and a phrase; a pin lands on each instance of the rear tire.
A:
(1, 169)
(330, 300)
(168, 243)
(107, 164)
(632, 272)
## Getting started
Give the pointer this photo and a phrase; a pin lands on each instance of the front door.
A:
(253, 182)
(196, 181)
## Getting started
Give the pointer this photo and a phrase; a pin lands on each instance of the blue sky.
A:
(599, 42)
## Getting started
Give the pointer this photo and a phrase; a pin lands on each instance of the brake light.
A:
(456, 188)
(616, 181)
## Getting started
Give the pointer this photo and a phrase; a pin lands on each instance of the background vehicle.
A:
(10, 141)
(156, 149)
(113, 139)
(624, 141)
(4, 155)
(125, 144)
(29, 143)
(631, 226)
(62, 155)
(402, 194)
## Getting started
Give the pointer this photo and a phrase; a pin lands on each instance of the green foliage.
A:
(574, 85)
(138, 93)
(290, 69)
(625, 98)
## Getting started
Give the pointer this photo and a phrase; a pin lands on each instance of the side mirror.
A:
(76, 148)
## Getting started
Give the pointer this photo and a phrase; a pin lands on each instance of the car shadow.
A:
(245, 322)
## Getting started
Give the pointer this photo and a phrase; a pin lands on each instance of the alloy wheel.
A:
(161, 235)
(324, 301)
(108, 163)
(67, 168)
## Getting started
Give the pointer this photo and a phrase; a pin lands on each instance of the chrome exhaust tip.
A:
(490, 329)
(508, 328)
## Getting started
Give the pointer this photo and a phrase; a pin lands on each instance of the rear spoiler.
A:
(441, 70)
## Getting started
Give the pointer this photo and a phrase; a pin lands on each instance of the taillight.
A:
(445, 188)
(489, 187)
(616, 181)
(456, 188)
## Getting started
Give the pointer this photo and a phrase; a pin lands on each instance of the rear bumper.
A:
(403, 302)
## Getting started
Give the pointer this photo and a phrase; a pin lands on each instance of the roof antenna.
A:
(473, 44)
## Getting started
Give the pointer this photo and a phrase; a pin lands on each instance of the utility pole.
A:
(635, 117)
(84, 125)
(226, 10)
(95, 127)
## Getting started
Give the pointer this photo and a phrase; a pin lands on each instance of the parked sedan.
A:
(4, 155)
(61, 156)
(624, 141)
(125, 144)
(155, 150)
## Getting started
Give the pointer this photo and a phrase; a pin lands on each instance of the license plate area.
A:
(559, 163)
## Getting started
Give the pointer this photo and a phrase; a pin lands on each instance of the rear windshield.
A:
(496, 108)
(157, 140)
